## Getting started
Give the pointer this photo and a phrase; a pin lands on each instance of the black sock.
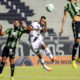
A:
(1, 67)
(12, 69)
(74, 50)
(79, 52)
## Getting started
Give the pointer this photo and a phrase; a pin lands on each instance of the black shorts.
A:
(8, 52)
(76, 29)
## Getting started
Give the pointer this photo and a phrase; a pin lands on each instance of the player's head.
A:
(68, 0)
(16, 23)
(42, 20)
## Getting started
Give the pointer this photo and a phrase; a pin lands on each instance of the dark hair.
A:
(68, 0)
(16, 20)
(43, 17)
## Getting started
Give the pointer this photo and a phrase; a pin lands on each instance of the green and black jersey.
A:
(14, 35)
(73, 8)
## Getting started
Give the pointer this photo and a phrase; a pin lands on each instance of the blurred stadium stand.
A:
(31, 10)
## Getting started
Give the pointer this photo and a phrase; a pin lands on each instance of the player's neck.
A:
(73, 1)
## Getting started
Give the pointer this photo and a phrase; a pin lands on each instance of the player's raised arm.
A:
(63, 21)
(2, 33)
(28, 28)
(24, 24)
(45, 29)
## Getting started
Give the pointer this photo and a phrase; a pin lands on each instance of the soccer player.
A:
(73, 8)
(36, 40)
(14, 35)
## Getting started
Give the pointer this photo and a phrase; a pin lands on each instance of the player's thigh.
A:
(35, 46)
(5, 54)
(42, 44)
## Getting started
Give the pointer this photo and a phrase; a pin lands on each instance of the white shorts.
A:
(37, 45)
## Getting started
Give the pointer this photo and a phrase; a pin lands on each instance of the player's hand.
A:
(0, 27)
(24, 24)
(45, 24)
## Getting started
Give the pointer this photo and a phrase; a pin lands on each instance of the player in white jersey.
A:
(36, 41)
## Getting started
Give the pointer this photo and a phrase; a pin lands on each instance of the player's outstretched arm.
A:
(63, 21)
(30, 28)
(24, 24)
(2, 33)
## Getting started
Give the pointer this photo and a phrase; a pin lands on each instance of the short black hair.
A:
(68, 0)
(43, 17)
(16, 20)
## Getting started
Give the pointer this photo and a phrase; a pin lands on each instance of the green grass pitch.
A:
(60, 72)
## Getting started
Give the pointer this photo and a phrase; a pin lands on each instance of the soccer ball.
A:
(50, 7)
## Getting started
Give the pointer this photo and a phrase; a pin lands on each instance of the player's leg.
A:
(73, 54)
(76, 44)
(78, 33)
(35, 46)
(2, 64)
(12, 68)
(12, 65)
(43, 63)
(4, 57)
(78, 59)
(48, 52)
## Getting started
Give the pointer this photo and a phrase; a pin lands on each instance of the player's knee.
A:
(44, 46)
(11, 61)
(4, 59)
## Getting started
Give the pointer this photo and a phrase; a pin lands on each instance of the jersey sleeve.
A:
(35, 25)
(23, 30)
(8, 31)
(66, 7)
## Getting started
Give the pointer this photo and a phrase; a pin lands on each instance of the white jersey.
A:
(35, 33)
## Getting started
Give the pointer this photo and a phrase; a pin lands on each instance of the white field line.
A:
(50, 77)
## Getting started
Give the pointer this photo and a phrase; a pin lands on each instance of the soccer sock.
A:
(12, 69)
(79, 52)
(42, 61)
(1, 67)
(74, 50)
(48, 52)
(43, 64)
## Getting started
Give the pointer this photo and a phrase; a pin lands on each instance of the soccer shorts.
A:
(8, 52)
(37, 45)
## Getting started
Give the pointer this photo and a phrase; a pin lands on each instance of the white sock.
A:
(48, 52)
(42, 61)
